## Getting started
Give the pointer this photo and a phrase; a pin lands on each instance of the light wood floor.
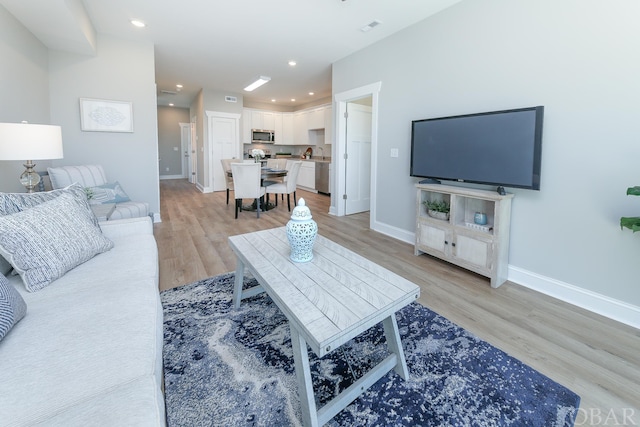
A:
(597, 358)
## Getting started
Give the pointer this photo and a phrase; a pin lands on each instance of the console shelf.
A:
(483, 249)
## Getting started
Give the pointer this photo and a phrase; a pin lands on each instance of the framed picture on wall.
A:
(99, 115)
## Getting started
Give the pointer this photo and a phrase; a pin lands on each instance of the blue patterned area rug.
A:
(235, 368)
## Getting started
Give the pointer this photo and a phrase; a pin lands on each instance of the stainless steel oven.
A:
(261, 136)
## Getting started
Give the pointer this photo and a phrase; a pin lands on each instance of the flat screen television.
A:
(501, 148)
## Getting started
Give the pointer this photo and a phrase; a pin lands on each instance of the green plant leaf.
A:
(632, 223)
(633, 191)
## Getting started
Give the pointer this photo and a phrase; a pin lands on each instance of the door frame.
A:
(338, 205)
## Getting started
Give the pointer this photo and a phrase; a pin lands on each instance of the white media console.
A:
(481, 248)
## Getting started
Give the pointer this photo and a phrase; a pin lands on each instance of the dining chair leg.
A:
(295, 201)
(237, 205)
(227, 196)
(288, 203)
(258, 207)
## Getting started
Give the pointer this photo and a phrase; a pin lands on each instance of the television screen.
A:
(500, 148)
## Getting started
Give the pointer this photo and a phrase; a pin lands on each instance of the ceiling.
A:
(225, 45)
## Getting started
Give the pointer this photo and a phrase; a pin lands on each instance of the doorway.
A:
(353, 100)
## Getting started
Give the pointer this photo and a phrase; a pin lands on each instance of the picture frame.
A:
(101, 115)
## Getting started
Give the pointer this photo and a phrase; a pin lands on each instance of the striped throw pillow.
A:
(46, 241)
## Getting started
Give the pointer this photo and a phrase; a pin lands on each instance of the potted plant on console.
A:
(437, 209)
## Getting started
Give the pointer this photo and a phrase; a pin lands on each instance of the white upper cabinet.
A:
(316, 119)
(328, 125)
(290, 128)
(285, 136)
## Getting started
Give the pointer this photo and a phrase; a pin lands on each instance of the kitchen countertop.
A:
(316, 159)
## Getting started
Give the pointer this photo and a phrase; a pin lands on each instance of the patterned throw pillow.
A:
(12, 306)
(111, 192)
(46, 241)
(11, 203)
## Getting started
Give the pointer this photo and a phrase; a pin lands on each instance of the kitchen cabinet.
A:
(286, 136)
(301, 128)
(307, 176)
(246, 126)
(263, 120)
(483, 249)
(315, 119)
(328, 124)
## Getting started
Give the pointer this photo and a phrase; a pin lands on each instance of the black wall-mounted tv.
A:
(501, 148)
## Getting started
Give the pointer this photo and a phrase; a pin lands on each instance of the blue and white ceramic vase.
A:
(301, 232)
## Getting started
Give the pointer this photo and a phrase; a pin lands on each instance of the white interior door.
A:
(193, 151)
(223, 133)
(185, 144)
(358, 158)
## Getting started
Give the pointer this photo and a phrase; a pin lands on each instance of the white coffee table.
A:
(328, 301)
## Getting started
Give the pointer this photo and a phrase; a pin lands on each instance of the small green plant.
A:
(632, 223)
(437, 205)
(89, 192)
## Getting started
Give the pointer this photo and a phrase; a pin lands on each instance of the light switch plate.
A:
(394, 152)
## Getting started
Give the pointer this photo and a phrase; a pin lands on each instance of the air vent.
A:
(370, 26)
(168, 92)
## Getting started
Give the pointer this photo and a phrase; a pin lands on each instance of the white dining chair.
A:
(246, 184)
(226, 167)
(287, 187)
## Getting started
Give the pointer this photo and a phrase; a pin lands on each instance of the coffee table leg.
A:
(237, 288)
(392, 335)
(303, 374)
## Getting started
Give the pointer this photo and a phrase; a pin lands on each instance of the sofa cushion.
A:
(111, 192)
(91, 345)
(12, 306)
(46, 241)
(85, 175)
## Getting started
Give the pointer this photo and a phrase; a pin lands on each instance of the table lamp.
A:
(29, 142)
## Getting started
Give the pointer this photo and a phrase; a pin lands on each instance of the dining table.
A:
(266, 173)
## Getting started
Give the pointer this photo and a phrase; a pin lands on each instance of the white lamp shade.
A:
(25, 141)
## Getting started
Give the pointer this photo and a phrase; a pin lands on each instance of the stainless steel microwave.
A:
(261, 136)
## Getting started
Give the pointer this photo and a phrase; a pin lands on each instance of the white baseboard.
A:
(603, 305)
(395, 232)
(584, 298)
(172, 177)
(204, 189)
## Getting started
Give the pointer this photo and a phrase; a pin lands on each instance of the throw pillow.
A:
(11, 203)
(46, 241)
(12, 306)
(111, 192)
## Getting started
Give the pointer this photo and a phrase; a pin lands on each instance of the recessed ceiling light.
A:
(138, 23)
(259, 82)
(273, 100)
(179, 86)
(312, 93)
(292, 63)
(293, 100)
(171, 105)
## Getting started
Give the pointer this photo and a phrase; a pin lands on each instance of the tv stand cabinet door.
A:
(433, 240)
(474, 253)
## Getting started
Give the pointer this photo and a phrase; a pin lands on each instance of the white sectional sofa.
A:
(88, 352)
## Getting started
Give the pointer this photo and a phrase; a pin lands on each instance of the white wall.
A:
(24, 88)
(577, 58)
(124, 71)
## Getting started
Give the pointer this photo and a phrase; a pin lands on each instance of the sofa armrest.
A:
(127, 227)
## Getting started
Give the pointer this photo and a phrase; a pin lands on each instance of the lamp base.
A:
(30, 178)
